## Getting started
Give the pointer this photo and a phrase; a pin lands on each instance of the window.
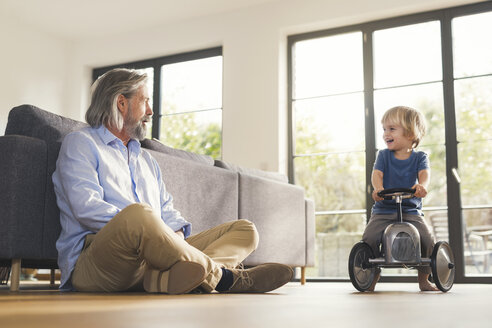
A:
(472, 49)
(329, 159)
(186, 92)
(408, 71)
(341, 81)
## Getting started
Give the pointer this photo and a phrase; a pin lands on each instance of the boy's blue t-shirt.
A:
(400, 174)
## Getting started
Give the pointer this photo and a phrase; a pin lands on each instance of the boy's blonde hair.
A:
(411, 120)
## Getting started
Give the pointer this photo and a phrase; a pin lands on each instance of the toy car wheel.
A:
(442, 264)
(362, 273)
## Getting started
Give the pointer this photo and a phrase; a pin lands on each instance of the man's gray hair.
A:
(103, 109)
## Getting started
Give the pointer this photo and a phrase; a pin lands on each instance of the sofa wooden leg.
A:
(52, 278)
(303, 275)
(15, 275)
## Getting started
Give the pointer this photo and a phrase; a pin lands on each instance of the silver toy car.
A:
(400, 248)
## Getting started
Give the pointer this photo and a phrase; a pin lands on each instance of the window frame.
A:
(444, 16)
(156, 64)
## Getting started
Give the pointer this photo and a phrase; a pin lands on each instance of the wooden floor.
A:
(312, 305)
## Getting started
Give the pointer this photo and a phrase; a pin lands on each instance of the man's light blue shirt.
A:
(96, 177)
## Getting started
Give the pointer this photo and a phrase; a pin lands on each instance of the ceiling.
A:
(75, 19)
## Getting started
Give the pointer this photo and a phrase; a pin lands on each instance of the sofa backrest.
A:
(205, 195)
(31, 121)
(254, 172)
(158, 146)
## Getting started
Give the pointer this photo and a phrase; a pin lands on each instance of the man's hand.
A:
(180, 233)
(420, 190)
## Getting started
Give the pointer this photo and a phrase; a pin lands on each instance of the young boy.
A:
(401, 166)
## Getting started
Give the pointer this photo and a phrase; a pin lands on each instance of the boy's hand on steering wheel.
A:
(375, 195)
(420, 191)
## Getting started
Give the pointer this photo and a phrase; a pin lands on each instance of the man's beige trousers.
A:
(136, 239)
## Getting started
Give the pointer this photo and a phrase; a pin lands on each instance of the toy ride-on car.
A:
(400, 248)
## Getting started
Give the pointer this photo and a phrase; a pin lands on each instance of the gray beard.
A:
(136, 130)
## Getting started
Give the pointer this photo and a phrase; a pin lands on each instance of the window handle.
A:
(456, 175)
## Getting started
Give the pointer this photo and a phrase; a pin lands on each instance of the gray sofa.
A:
(205, 191)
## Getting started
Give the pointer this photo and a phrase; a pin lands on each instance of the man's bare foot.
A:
(425, 284)
(377, 275)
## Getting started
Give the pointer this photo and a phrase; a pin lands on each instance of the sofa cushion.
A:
(255, 172)
(157, 145)
(205, 195)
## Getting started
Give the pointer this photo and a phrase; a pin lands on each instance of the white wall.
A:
(33, 69)
(254, 44)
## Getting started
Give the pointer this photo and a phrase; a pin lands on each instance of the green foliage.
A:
(434, 145)
(182, 131)
(335, 181)
(474, 122)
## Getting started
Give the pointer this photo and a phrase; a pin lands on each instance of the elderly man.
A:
(119, 228)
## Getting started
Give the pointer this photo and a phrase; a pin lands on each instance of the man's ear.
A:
(122, 103)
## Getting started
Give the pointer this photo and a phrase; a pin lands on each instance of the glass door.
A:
(472, 54)
(342, 80)
(329, 151)
(407, 72)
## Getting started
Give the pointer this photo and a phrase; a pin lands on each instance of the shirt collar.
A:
(134, 146)
(108, 137)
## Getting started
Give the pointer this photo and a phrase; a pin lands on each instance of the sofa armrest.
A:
(22, 195)
(278, 211)
(310, 232)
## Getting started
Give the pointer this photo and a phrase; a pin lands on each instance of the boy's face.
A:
(395, 138)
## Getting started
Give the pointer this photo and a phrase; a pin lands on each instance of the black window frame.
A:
(444, 16)
(156, 64)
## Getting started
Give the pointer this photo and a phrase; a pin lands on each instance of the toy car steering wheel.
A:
(392, 193)
(398, 194)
